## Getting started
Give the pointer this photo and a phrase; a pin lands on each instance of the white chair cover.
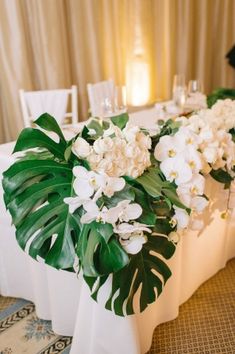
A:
(53, 102)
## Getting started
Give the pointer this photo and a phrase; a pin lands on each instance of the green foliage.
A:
(29, 184)
(232, 132)
(220, 94)
(120, 121)
(222, 177)
(145, 272)
(99, 252)
(34, 190)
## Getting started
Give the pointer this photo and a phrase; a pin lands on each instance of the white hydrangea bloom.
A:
(126, 153)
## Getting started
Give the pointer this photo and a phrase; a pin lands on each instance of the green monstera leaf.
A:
(144, 277)
(34, 191)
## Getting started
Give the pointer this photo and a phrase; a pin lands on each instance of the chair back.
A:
(97, 94)
(54, 102)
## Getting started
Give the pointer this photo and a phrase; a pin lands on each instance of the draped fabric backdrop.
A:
(57, 43)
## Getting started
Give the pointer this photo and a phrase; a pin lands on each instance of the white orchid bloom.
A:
(198, 204)
(128, 211)
(176, 169)
(194, 187)
(94, 213)
(81, 148)
(168, 147)
(113, 184)
(210, 154)
(193, 158)
(188, 137)
(124, 211)
(86, 182)
(74, 203)
(125, 228)
(134, 244)
(181, 218)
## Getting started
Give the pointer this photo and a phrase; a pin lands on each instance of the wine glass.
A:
(179, 91)
(107, 107)
(195, 86)
(120, 99)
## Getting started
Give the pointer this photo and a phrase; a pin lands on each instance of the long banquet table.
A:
(64, 298)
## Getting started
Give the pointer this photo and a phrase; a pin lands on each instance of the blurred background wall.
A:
(48, 44)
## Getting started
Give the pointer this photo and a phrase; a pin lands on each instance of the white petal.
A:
(80, 171)
(88, 218)
(73, 203)
(184, 174)
(117, 183)
(135, 245)
(112, 215)
(125, 228)
(132, 212)
(199, 204)
(83, 188)
(181, 217)
(91, 206)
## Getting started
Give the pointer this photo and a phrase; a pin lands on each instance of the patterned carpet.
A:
(206, 324)
(22, 332)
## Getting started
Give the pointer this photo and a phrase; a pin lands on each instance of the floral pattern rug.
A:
(21, 331)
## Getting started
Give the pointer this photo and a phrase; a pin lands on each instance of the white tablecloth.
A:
(64, 298)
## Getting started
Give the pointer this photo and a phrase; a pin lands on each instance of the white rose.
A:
(102, 145)
(144, 141)
(81, 148)
(94, 159)
(132, 151)
(130, 132)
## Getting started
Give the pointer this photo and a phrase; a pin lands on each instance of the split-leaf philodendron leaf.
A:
(34, 190)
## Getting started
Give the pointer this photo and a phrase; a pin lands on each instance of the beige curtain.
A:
(49, 44)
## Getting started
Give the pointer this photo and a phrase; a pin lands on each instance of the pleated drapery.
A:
(56, 43)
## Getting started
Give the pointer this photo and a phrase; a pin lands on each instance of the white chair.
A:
(100, 93)
(54, 102)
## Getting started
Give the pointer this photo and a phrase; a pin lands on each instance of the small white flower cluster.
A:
(89, 186)
(215, 144)
(181, 162)
(222, 114)
(196, 100)
(118, 152)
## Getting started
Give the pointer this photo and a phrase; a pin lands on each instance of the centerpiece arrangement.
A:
(113, 201)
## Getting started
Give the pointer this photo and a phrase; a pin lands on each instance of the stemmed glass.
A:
(115, 103)
(179, 91)
(107, 107)
(194, 86)
(120, 99)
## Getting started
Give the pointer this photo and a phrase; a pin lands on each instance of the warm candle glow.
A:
(138, 82)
